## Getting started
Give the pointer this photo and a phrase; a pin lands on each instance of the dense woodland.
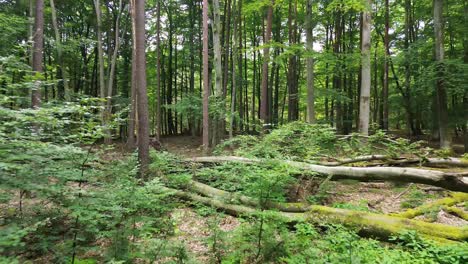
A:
(233, 131)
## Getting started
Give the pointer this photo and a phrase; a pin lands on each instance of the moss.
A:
(447, 201)
(457, 211)
(384, 225)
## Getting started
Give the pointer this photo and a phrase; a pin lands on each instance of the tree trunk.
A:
(58, 43)
(142, 97)
(376, 225)
(264, 104)
(441, 92)
(206, 81)
(310, 64)
(450, 181)
(364, 106)
(218, 89)
(465, 96)
(158, 72)
(38, 49)
(385, 109)
(131, 142)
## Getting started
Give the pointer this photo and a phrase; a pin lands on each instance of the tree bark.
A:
(206, 83)
(58, 43)
(385, 109)
(310, 64)
(364, 106)
(38, 49)
(142, 97)
(131, 141)
(218, 89)
(376, 225)
(264, 104)
(445, 139)
(450, 181)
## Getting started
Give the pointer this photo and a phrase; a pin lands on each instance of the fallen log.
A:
(455, 198)
(447, 180)
(209, 191)
(457, 212)
(428, 162)
(376, 225)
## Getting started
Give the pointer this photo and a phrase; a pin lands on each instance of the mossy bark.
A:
(455, 198)
(376, 225)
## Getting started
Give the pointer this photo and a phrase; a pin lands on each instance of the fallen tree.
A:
(376, 225)
(455, 198)
(388, 160)
(447, 180)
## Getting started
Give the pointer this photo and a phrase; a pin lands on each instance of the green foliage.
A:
(415, 198)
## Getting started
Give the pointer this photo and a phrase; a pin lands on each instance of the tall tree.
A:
(218, 89)
(140, 79)
(385, 113)
(264, 104)
(465, 60)
(364, 106)
(58, 43)
(158, 71)
(310, 63)
(131, 141)
(206, 81)
(440, 84)
(38, 49)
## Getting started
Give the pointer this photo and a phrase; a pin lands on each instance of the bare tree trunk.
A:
(385, 123)
(453, 181)
(206, 81)
(58, 43)
(38, 49)
(465, 60)
(218, 89)
(264, 104)
(158, 72)
(142, 97)
(364, 106)
(102, 83)
(110, 84)
(310, 64)
(441, 92)
(235, 54)
(131, 142)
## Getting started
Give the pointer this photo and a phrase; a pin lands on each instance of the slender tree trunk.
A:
(465, 96)
(264, 104)
(158, 72)
(310, 64)
(365, 72)
(218, 89)
(441, 92)
(292, 87)
(38, 50)
(58, 43)
(385, 122)
(206, 81)
(131, 142)
(142, 97)
(235, 54)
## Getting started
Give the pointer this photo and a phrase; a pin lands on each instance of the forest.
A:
(234, 131)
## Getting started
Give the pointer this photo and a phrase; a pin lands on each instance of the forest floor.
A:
(387, 198)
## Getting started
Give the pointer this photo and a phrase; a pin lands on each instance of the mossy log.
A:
(447, 180)
(370, 224)
(455, 198)
(209, 191)
(457, 212)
